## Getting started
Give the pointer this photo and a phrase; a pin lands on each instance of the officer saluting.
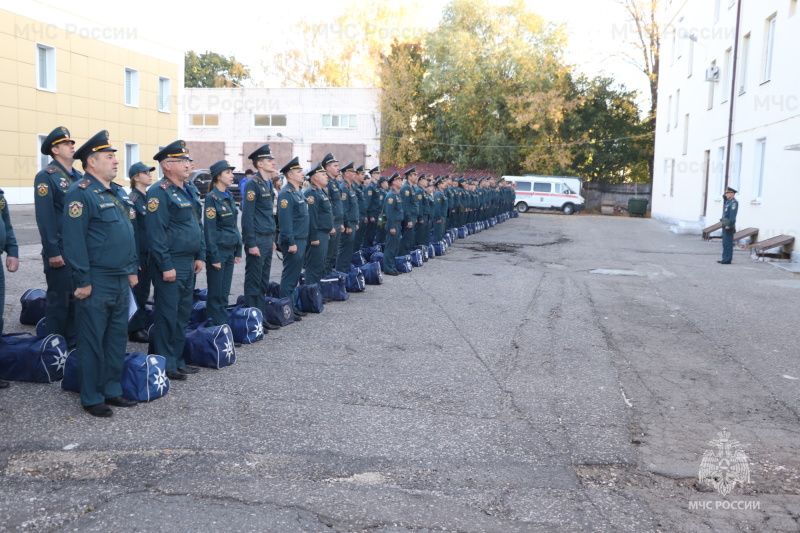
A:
(293, 224)
(100, 247)
(51, 185)
(728, 221)
(177, 254)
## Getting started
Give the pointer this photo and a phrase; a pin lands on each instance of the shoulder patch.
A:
(152, 204)
(310, 199)
(42, 189)
(75, 209)
(131, 213)
(164, 185)
(408, 193)
(84, 183)
(390, 201)
(734, 205)
(2, 203)
(369, 193)
(251, 195)
(284, 203)
(210, 213)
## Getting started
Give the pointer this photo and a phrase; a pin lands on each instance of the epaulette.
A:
(134, 194)
(214, 196)
(51, 170)
(165, 184)
(84, 183)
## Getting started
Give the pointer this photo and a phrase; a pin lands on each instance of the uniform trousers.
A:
(292, 265)
(173, 306)
(256, 272)
(219, 286)
(316, 256)
(60, 313)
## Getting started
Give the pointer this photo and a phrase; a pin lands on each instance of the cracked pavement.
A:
(552, 373)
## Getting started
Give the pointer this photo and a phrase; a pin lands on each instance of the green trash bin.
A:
(637, 206)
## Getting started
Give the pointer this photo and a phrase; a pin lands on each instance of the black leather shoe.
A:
(99, 409)
(174, 374)
(4, 384)
(186, 369)
(120, 401)
(139, 336)
(724, 262)
(392, 273)
(270, 327)
(299, 313)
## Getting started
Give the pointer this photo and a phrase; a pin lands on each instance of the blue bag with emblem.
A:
(247, 324)
(199, 315)
(403, 263)
(358, 259)
(378, 257)
(309, 298)
(372, 274)
(334, 287)
(462, 232)
(200, 295)
(416, 258)
(448, 239)
(144, 377)
(355, 280)
(431, 251)
(515, 214)
(424, 249)
(70, 381)
(438, 248)
(274, 289)
(209, 347)
(41, 328)
(24, 357)
(278, 311)
(34, 306)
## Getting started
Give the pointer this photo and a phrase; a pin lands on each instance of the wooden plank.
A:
(709, 230)
(743, 234)
(781, 240)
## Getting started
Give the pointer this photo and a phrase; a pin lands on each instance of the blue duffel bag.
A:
(247, 324)
(379, 258)
(355, 280)
(41, 328)
(209, 346)
(358, 259)
(515, 214)
(71, 382)
(144, 377)
(367, 251)
(334, 287)
(403, 263)
(24, 357)
(200, 295)
(431, 251)
(278, 311)
(439, 248)
(274, 289)
(372, 274)
(34, 306)
(416, 258)
(424, 249)
(462, 232)
(309, 298)
(448, 239)
(198, 315)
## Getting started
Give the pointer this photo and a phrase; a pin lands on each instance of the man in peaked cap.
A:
(258, 229)
(293, 223)
(100, 247)
(373, 204)
(410, 211)
(177, 255)
(393, 211)
(320, 222)
(50, 186)
(728, 220)
(352, 218)
(337, 196)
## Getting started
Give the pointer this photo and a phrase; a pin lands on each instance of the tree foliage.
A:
(213, 70)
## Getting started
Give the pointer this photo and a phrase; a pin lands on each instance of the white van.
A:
(548, 192)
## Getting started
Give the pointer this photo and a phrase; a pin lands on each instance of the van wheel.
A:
(568, 209)
(522, 207)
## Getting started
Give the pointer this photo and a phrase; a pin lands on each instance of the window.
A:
(726, 77)
(200, 120)
(338, 121)
(541, 187)
(743, 62)
(131, 87)
(769, 47)
(669, 111)
(792, 7)
(131, 157)
(164, 94)
(690, 58)
(758, 174)
(669, 175)
(45, 68)
(686, 134)
(44, 160)
(716, 10)
(269, 120)
(712, 86)
(672, 48)
(677, 106)
(719, 171)
(523, 186)
(735, 178)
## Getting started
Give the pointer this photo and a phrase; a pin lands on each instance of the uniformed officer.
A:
(373, 204)
(293, 222)
(410, 210)
(352, 218)
(337, 196)
(395, 218)
(223, 241)
(100, 248)
(363, 204)
(51, 185)
(439, 210)
(141, 178)
(8, 244)
(422, 231)
(177, 254)
(728, 220)
(380, 220)
(320, 224)
(258, 229)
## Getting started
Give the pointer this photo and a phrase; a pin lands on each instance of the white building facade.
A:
(708, 87)
(230, 123)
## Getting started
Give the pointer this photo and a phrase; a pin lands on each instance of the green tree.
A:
(213, 70)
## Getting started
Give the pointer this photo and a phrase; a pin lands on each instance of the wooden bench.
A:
(760, 248)
(745, 233)
(711, 229)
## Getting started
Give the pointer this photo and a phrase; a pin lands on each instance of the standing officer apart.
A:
(293, 223)
(223, 242)
(177, 254)
(320, 224)
(728, 221)
(8, 244)
(141, 178)
(331, 166)
(258, 229)
(51, 185)
(351, 218)
(100, 247)
(393, 211)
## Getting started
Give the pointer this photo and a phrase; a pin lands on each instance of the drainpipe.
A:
(735, 65)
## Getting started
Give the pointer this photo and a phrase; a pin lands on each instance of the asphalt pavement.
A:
(553, 373)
